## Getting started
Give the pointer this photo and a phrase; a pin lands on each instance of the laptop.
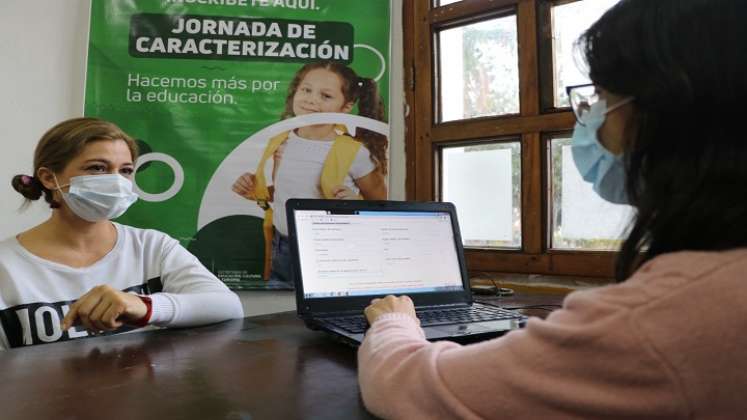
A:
(347, 252)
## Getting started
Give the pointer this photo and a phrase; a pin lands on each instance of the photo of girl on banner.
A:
(240, 107)
(320, 160)
(331, 141)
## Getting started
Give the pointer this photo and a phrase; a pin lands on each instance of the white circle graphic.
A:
(172, 163)
(378, 54)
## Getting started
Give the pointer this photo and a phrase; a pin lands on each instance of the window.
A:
(485, 179)
(479, 66)
(580, 219)
(445, 2)
(488, 129)
(568, 23)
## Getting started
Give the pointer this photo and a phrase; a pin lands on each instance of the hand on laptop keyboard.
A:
(389, 304)
(431, 317)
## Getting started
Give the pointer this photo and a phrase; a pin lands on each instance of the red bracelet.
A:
(148, 312)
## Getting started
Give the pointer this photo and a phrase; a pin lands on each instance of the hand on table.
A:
(104, 308)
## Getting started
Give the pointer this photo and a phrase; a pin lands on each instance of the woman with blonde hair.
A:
(80, 274)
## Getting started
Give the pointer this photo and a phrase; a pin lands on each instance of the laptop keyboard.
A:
(430, 317)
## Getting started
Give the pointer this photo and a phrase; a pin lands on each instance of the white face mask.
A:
(99, 197)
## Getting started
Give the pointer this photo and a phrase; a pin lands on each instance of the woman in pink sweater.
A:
(661, 129)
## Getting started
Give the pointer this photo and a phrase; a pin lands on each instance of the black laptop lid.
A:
(346, 252)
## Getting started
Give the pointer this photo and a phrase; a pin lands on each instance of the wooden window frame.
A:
(538, 119)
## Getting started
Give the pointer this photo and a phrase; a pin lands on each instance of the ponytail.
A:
(370, 105)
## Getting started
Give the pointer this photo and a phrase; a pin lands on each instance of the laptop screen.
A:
(358, 253)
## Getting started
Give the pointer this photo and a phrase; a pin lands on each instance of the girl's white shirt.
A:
(300, 171)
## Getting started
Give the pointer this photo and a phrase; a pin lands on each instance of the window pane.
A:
(445, 2)
(569, 21)
(581, 220)
(479, 66)
(484, 183)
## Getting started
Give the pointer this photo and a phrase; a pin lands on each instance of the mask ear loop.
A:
(57, 184)
(54, 204)
(619, 104)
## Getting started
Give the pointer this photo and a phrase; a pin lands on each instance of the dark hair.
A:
(61, 144)
(364, 91)
(684, 62)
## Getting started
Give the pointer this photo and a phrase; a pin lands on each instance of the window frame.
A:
(537, 122)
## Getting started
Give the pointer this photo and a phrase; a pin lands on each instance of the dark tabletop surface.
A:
(529, 304)
(266, 367)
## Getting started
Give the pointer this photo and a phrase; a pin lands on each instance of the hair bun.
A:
(27, 186)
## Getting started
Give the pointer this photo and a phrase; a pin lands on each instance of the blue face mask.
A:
(595, 163)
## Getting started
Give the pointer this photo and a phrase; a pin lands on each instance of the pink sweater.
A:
(670, 342)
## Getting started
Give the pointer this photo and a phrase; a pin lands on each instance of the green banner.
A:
(217, 91)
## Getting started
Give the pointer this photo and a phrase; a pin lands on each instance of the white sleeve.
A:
(362, 165)
(191, 295)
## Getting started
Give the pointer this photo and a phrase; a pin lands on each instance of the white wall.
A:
(43, 47)
(397, 106)
(42, 68)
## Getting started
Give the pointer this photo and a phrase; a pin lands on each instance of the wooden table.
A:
(265, 367)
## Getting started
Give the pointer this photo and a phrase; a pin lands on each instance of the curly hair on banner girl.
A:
(320, 160)
(361, 90)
